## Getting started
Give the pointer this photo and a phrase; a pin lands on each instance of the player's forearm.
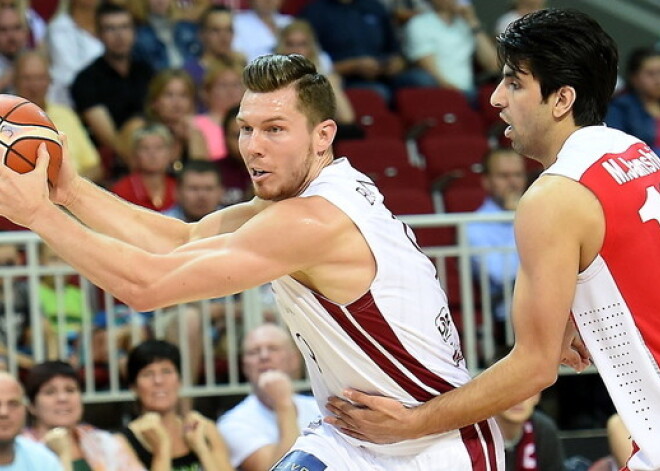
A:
(510, 381)
(110, 215)
(287, 424)
(119, 268)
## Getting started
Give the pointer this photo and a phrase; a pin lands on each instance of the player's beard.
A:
(294, 185)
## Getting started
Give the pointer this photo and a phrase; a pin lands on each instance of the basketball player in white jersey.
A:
(588, 234)
(361, 300)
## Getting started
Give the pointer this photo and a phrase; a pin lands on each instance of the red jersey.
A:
(617, 300)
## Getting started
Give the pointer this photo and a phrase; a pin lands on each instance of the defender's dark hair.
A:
(148, 352)
(269, 73)
(564, 48)
(42, 373)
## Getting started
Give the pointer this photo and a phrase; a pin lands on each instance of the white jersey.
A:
(398, 339)
(616, 305)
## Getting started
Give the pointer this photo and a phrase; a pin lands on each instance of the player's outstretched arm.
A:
(553, 220)
(108, 214)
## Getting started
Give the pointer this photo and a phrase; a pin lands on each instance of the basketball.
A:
(23, 126)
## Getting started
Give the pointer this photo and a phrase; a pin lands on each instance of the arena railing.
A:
(209, 332)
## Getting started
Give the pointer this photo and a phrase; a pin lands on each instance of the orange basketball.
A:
(23, 126)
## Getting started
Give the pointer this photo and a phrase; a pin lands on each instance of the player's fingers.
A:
(43, 157)
(357, 397)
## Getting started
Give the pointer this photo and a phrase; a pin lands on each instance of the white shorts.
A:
(322, 448)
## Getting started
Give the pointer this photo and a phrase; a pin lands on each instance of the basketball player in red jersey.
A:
(588, 234)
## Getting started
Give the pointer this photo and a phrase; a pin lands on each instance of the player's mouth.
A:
(258, 174)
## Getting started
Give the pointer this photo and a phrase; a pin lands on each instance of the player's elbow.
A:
(138, 294)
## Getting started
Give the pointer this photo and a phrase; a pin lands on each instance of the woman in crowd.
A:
(298, 38)
(637, 110)
(222, 89)
(171, 101)
(160, 436)
(149, 184)
(54, 392)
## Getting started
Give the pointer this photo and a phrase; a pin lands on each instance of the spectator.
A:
(54, 391)
(367, 52)
(403, 10)
(504, 180)
(170, 101)
(149, 185)
(265, 424)
(199, 191)
(256, 29)
(444, 44)
(637, 111)
(69, 302)
(235, 176)
(159, 436)
(31, 81)
(520, 9)
(72, 45)
(162, 40)
(222, 89)
(13, 40)
(298, 38)
(110, 90)
(18, 453)
(531, 438)
(216, 33)
(35, 23)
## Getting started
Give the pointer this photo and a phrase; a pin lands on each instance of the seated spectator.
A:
(55, 396)
(216, 34)
(13, 41)
(367, 52)
(298, 38)
(222, 89)
(256, 29)
(162, 40)
(199, 191)
(110, 90)
(505, 180)
(36, 25)
(444, 44)
(520, 9)
(262, 428)
(160, 436)
(68, 303)
(637, 111)
(149, 185)
(235, 177)
(531, 438)
(31, 81)
(18, 453)
(170, 101)
(72, 45)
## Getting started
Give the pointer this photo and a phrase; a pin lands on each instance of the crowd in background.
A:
(147, 93)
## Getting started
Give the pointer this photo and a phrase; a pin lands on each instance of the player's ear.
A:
(324, 135)
(564, 99)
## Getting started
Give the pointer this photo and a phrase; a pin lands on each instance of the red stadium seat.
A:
(438, 111)
(373, 115)
(446, 153)
(373, 154)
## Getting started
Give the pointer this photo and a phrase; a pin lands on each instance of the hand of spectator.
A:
(394, 65)
(149, 430)
(57, 439)
(367, 67)
(275, 389)
(65, 190)
(511, 199)
(196, 431)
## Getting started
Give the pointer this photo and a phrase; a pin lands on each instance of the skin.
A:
(506, 179)
(511, 421)
(269, 362)
(559, 229)
(199, 194)
(12, 416)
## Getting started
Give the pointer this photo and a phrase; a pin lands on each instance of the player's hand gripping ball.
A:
(23, 127)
